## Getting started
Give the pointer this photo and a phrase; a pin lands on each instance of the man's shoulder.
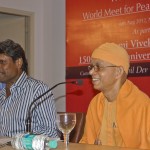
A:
(30, 81)
(135, 90)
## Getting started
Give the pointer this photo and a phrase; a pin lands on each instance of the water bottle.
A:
(16, 142)
(33, 142)
(42, 142)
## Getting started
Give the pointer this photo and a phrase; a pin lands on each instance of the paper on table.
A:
(4, 140)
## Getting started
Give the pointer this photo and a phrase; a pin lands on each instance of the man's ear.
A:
(119, 71)
(19, 63)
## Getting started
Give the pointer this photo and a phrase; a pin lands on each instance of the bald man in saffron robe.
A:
(120, 114)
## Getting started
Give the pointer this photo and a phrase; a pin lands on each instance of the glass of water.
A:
(66, 122)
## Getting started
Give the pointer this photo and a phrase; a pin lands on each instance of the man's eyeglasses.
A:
(97, 68)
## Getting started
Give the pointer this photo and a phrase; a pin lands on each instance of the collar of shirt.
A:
(20, 83)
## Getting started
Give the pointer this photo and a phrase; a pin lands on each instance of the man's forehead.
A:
(5, 57)
(99, 61)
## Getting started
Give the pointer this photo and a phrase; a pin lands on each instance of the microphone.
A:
(29, 113)
(77, 82)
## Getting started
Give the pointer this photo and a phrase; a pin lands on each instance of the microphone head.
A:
(79, 82)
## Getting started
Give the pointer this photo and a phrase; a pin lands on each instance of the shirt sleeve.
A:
(44, 114)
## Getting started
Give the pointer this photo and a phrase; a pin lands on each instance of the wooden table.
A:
(75, 146)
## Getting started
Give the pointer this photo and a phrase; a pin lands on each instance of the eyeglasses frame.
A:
(90, 67)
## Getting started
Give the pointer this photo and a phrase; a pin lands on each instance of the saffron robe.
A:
(132, 117)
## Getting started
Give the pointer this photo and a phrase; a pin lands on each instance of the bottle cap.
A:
(52, 144)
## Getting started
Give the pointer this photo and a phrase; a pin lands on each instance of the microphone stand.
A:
(29, 113)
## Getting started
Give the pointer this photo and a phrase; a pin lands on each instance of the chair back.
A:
(77, 132)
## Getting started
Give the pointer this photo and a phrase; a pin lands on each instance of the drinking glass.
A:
(66, 122)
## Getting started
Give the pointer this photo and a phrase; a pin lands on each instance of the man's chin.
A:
(96, 87)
